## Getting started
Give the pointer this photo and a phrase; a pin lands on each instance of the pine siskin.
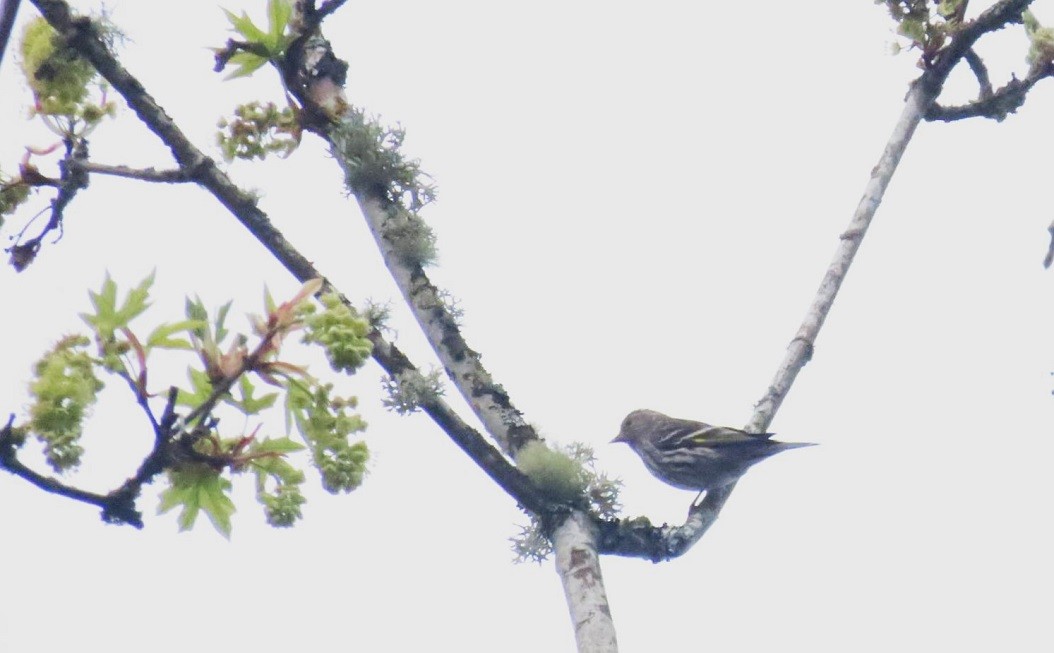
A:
(694, 455)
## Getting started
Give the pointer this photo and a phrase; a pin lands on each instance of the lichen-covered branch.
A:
(389, 191)
(389, 195)
(78, 31)
(488, 399)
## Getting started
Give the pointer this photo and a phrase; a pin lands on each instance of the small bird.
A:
(694, 455)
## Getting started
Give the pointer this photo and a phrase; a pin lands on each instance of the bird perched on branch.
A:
(694, 455)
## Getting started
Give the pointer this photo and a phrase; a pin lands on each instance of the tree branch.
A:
(995, 18)
(314, 75)
(996, 105)
(488, 399)
(1049, 258)
(8, 14)
(71, 181)
(980, 71)
(9, 444)
(328, 7)
(175, 176)
(578, 565)
(633, 538)
(79, 34)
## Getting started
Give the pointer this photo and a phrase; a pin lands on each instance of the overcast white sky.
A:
(637, 202)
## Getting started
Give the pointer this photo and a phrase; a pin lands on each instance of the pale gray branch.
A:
(577, 563)
(672, 542)
(173, 176)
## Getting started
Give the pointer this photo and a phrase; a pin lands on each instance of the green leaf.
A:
(161, 336)
(136, 301)
(217, 505)
(278, 13)
(108, 318)
(105, 303)
(198, 488)
(201, 389)
(247, 63)
(297, 395)
(249, 404)
(195, 310)
(244, 26)
(221, 318)
(278, 445)
(269, 303)
(172, 497)
(188, 515)
(180, 493)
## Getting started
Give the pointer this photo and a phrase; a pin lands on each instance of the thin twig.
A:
(328, 7)
(10, 462)
(71, 181)
(174, 176)
(980, 71)
(998, 104)
(1049, 258)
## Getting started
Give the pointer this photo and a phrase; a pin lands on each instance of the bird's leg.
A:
(695, 501)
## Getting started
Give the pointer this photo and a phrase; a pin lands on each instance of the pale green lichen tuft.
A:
(406, 395)
(553, 472)
(569, 470)
(375, 168)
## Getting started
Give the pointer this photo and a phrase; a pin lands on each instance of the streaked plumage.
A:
(694, 455)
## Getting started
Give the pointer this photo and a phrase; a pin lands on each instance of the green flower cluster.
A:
(340, 331)
(927, 27)
(268, 461)
(282, 507)
(64, 390)
(256, 131)
(325, 424)
(58, 76)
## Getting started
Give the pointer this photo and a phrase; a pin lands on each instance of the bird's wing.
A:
(679, 432)
(718, 436)
(676, 433)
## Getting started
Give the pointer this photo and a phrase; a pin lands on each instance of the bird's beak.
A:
(618, 438)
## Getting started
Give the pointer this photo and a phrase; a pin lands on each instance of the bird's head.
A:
(635, 425)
